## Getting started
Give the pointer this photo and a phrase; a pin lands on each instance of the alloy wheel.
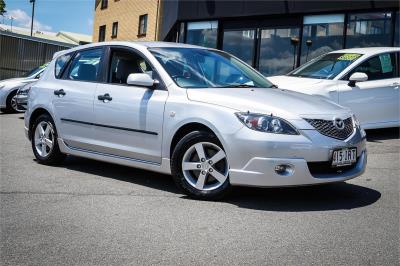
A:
(44, 138)
(205, 166)
(14, 103)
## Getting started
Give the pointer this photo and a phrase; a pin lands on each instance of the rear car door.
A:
(375, 101)
(129, 122)
(73, 97)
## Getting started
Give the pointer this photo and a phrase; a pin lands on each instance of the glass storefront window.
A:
(278, 53)
(240, 43)
(321, 34)
(396, 30)
(369, 29)
(203, 33)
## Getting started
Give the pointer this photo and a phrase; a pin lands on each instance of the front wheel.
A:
(200, 167)
(44, 141)
(11, 104)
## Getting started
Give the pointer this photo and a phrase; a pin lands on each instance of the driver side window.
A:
(378, 67)
(123, 63)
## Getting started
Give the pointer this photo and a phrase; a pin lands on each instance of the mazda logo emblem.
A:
(338, 123)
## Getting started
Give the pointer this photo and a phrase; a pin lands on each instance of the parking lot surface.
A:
(93, 213)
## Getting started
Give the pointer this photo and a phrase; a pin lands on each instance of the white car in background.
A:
(9, 88)
(366, 80)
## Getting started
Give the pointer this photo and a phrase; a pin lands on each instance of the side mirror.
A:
(357, 77)
(141, 79)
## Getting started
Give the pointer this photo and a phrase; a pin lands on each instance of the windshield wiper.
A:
(273, 86)
(237, 86)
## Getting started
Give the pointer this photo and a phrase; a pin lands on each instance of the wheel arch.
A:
(34, 115)
(185, 129)
(8, 95)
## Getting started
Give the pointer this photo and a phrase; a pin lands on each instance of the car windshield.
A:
(326, 67)
(34, 72)
(203, 68)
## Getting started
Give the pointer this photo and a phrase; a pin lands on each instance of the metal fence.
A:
(19, 54)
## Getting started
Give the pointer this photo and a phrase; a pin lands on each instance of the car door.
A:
(74, 95)
(375, 101)
(129, 119)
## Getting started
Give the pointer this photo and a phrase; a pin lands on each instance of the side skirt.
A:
(164, 167)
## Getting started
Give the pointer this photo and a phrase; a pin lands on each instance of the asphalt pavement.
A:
(92, 213)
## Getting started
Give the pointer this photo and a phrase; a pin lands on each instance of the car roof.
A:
(139, 44)
(368, 50)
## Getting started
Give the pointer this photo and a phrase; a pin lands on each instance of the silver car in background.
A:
(199, 114)
(10, 87)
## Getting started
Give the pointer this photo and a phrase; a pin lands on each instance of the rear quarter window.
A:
(61, 63)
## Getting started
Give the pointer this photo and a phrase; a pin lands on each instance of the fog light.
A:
(284, 169)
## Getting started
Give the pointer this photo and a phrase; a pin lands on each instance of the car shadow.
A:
(334, 196)
(121, 173)
(376, 135)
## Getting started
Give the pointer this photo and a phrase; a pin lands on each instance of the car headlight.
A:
(267, 123)
(24, 90)
(356, 122)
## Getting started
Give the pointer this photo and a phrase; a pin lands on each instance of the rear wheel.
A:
(200, 167)
(44, 141)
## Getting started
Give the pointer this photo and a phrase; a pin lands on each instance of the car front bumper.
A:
(256, 155)
(22, 102)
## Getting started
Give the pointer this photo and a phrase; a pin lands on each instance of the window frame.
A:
(100, 73)
(107, 65)
(346, 76)
(219, 30)
(142, 34)
(391, 25)
(104, 4)
(105, 32)
(114, 28)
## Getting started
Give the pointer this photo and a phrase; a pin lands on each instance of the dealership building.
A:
(272, 36)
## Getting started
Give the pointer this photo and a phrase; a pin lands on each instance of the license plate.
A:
(344, 157)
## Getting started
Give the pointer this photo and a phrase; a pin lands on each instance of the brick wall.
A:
(126, 13)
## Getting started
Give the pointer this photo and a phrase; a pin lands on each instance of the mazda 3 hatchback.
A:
(199, 114)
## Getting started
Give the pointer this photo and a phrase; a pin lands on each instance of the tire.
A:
(10, 106)
(201, 179)
(47, 137)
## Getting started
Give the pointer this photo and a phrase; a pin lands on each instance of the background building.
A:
(20, 53)
(126, 20)
(272, 36)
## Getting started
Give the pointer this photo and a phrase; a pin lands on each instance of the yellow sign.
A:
(348, 57)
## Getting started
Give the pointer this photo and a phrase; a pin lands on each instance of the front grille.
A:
(321, 168)
(327, 128)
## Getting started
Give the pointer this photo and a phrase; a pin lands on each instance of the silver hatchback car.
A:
(199, 114)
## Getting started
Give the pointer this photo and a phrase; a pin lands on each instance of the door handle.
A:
(105, 98)
(59, 93)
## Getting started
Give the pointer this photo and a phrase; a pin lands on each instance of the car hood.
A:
(283, 103)
(297, 83)
(16, 81)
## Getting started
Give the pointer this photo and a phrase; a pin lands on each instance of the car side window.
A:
(382, 66)
(86, 65)
(123, 63)
(61, 63)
